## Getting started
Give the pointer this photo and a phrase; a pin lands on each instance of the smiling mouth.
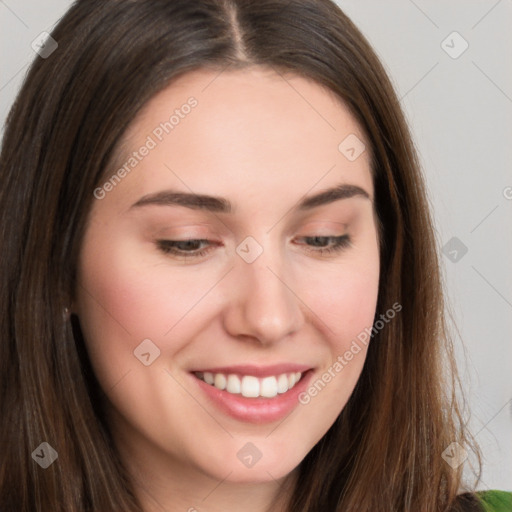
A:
(250, 386)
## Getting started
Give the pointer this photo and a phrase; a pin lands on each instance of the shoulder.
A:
(495, 501)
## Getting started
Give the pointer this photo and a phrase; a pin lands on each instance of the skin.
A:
(262, 140)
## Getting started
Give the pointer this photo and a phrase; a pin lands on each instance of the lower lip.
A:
(255, 410)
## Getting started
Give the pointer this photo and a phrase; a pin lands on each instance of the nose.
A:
(263, 305)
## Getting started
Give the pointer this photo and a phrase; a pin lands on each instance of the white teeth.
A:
(234, 385)
(282, 383)
(220, 381)
(268, 387)
(250, 386)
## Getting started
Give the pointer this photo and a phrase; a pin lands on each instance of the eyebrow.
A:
(221, 205)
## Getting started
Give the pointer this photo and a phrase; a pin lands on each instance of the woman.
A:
(220, 279)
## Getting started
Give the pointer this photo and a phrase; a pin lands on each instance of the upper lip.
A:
(257, 371)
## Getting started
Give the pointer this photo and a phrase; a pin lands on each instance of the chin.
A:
(251, 466)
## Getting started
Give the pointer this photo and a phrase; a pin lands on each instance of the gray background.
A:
(459, 110)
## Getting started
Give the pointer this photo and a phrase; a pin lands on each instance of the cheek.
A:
(126, 289)
(122, 301)
(349, 314)
(351, 306)
(344, 302)
(346, 298)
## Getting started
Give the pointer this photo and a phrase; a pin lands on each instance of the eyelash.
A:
(169, 246)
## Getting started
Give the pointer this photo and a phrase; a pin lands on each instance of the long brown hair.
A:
(383, 453)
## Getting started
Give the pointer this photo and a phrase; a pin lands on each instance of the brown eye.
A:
(189, 248)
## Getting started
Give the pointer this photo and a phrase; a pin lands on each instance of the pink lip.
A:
(257, 371)
(256, 410)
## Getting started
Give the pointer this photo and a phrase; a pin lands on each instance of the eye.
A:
(196, 248)
(190, 248)
(325, 245)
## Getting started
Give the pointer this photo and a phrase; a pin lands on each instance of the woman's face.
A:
(275, 283)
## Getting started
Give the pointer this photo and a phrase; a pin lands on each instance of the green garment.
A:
(496, 501)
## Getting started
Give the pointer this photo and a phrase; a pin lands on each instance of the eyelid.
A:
(340, 242)
(187, 230)
(169, 246)
(329, 225)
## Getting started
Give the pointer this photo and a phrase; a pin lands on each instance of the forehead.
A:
(246, 129)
